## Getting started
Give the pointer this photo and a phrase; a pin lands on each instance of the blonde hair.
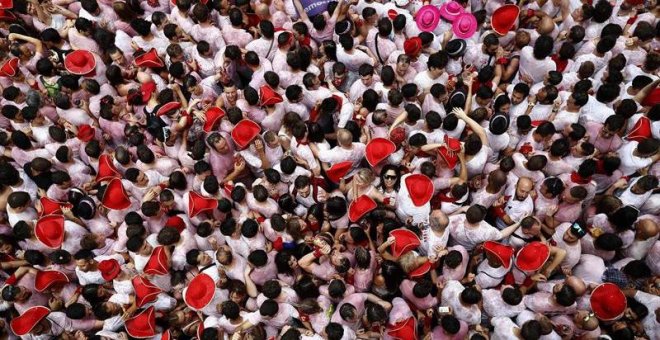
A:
(365, 176)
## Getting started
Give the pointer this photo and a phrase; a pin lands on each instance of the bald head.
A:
(523, 188)
(344, 137)
(577, 284)
(439, 220)
(262, 11)
(546, 26)
(646, 229)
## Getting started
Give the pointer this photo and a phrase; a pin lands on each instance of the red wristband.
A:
(502, 61)
(317, 253)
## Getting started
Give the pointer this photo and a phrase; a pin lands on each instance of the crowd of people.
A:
(300, 169)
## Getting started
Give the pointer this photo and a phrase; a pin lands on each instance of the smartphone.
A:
(443, 310)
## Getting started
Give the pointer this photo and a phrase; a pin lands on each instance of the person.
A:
(329, 170)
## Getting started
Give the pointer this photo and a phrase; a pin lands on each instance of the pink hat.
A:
(427, 18)
(464, 26)
(450, 10)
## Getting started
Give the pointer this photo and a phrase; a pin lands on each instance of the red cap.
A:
(109, 269)
(269, 96)
(167, 108)
(420, 271)
(50, 230)
(149, 59)
(45, 279)
(245, 132)
(532, 256)
(412, 46)
(115, 196)
(9, 68)
(158, 263)
(398, 135)
(403, 330)
(6, 4)
(107, 169)
(338, 170)
(86, 132)
(50, 206)
(147, 89)
(608, 302)
(198, 204)
(213, 115)
(502, 252)
(143, 325)
(378, 149)
(200, 292)
(80, 62)
(24, 323)
(7, 15)
(145, 291)
(504, 18)
(392, 14)
(420, 188)
(360, 207)
(641, 130)
(404, 241)
(176, 222)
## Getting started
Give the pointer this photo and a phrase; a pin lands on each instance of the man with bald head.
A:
(517, 205)
(647, 231)
(435, 237)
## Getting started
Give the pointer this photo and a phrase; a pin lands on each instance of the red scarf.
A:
(560, 63)
(576, 178)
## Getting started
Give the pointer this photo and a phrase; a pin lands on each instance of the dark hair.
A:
(566, 296)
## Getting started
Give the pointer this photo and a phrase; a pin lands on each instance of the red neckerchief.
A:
(576, 178)
(306, 41)
(560, 63)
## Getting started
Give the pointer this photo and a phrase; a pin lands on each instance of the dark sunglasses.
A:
(389, 177)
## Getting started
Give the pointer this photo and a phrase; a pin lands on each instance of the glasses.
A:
(589, 316)
(390, 177)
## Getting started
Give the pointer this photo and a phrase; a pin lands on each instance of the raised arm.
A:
(476, 128)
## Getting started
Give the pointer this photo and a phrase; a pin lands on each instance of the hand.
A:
(135, 46)
(390, 240)
(567, 271)
(551, 210)
(538, 277)
(259, 145)
(239, 164)
(55, 303)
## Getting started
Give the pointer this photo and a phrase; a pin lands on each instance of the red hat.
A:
(608, 302)
(398, 135)
(45, 279)
(198, 204)
(532, 256)
(50, 230)
(392, 14)
(143, 325)
(245, 132)
(149, 59)
(147, 89)
(652, 98)
(9, 68)
(504, 18)
(80, 62)
(641, 130)
(107, 169)
(86, 132)
(213, 115)
(404, 241)
(449, 157)
(200, 292)
(379, 149)
(453, 144)
(52, 207)
(158, 263)
(115, 196)
(7, 15)
(420, 271)
(338, 170)
(176, 222)
(360, 207)
(412, 46)
(109, 269)
(167, 108)
(420, 189)
(145, 291)
(503, 252)
(269, 96)
(24, 323)
(403, 330)
(6, 4)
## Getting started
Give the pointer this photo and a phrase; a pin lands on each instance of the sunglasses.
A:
(390, 177)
